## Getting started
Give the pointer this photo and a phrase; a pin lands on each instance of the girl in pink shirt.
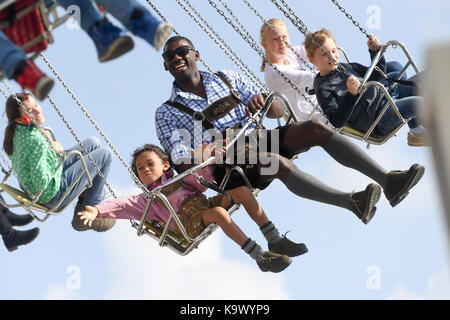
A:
(151, 164)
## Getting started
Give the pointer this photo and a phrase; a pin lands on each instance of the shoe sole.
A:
(43, 88)
(278, 270)
(413, 180)
(118, 48)
(16, 247)
(372, 200)
(303, 250)
(162, 37)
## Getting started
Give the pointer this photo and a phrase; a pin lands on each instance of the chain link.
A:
(258, 49)
(351, 18)
(264, 21)
(296, 21)
(235, 58)
(136, 179)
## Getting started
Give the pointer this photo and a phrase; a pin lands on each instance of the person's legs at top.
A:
(109, 40)
(266, 260)
(15, 65)
(139, 21)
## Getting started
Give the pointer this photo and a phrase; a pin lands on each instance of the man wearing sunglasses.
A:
(196, 90)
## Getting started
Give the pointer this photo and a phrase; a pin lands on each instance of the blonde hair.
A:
(269, 25)
(320, 37)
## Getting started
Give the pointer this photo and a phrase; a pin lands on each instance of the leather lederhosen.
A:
(217, 110)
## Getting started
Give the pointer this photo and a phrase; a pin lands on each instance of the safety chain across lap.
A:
(136, 180)
(235, 58)
(258, 49)
(175, 31)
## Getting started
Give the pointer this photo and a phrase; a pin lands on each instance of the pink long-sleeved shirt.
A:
(133, 207)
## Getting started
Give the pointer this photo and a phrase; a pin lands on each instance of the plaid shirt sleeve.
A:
(171, 137)
(246, 90)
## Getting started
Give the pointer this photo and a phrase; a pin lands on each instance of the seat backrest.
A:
(22, 23)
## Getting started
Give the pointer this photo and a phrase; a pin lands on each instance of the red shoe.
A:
(34, 80)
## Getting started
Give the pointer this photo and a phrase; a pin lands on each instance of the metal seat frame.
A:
(180, 242)
(368, 136)
(29, 201)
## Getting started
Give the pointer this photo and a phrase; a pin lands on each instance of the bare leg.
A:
(220, 216)
(244, 196)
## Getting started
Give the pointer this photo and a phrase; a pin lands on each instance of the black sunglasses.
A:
(180, 51)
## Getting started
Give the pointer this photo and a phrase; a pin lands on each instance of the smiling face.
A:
(276, 42)
(150, 167)
(33, 109)
(322, 61)
(182, 64)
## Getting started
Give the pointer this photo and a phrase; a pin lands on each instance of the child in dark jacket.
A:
(337, 92)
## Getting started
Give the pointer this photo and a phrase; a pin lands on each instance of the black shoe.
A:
(273, 262)
(400, 182)
(287, 247)
(363, 202)
(17, 238)
(15, 219)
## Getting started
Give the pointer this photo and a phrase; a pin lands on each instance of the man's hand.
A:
(255, 104)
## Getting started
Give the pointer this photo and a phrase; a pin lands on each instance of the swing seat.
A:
(21, 196)
(173, 238)
(23, 23)
(373, 138)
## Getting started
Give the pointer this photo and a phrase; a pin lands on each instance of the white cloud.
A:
(142, 270)
(59, 292)
(437, 288)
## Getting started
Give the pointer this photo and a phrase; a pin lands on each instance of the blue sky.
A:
(402, 253)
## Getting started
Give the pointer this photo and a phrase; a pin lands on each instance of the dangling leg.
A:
(315, 133)
(306, 186)
(266, 260)
(276, 243)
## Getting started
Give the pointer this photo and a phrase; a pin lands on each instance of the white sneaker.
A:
(161, 34)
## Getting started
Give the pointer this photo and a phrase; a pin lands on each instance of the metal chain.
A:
(58, 111)
(31, 195)
(175, 31)
(136, 179)
(264, 21)
(351, 18)
(235, 58)
(304, 29)
(258, 49)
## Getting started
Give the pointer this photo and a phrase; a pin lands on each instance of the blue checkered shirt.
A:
(176, 130)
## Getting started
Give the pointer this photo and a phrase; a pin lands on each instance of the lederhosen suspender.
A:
(214, 111)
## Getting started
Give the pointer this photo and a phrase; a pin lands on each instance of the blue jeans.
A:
(10, 55)
(72, 167)
(393, 69)
(406, 100)
(89, 13)
(122, 10)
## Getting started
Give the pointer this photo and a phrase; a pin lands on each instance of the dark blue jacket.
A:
(339, 105)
